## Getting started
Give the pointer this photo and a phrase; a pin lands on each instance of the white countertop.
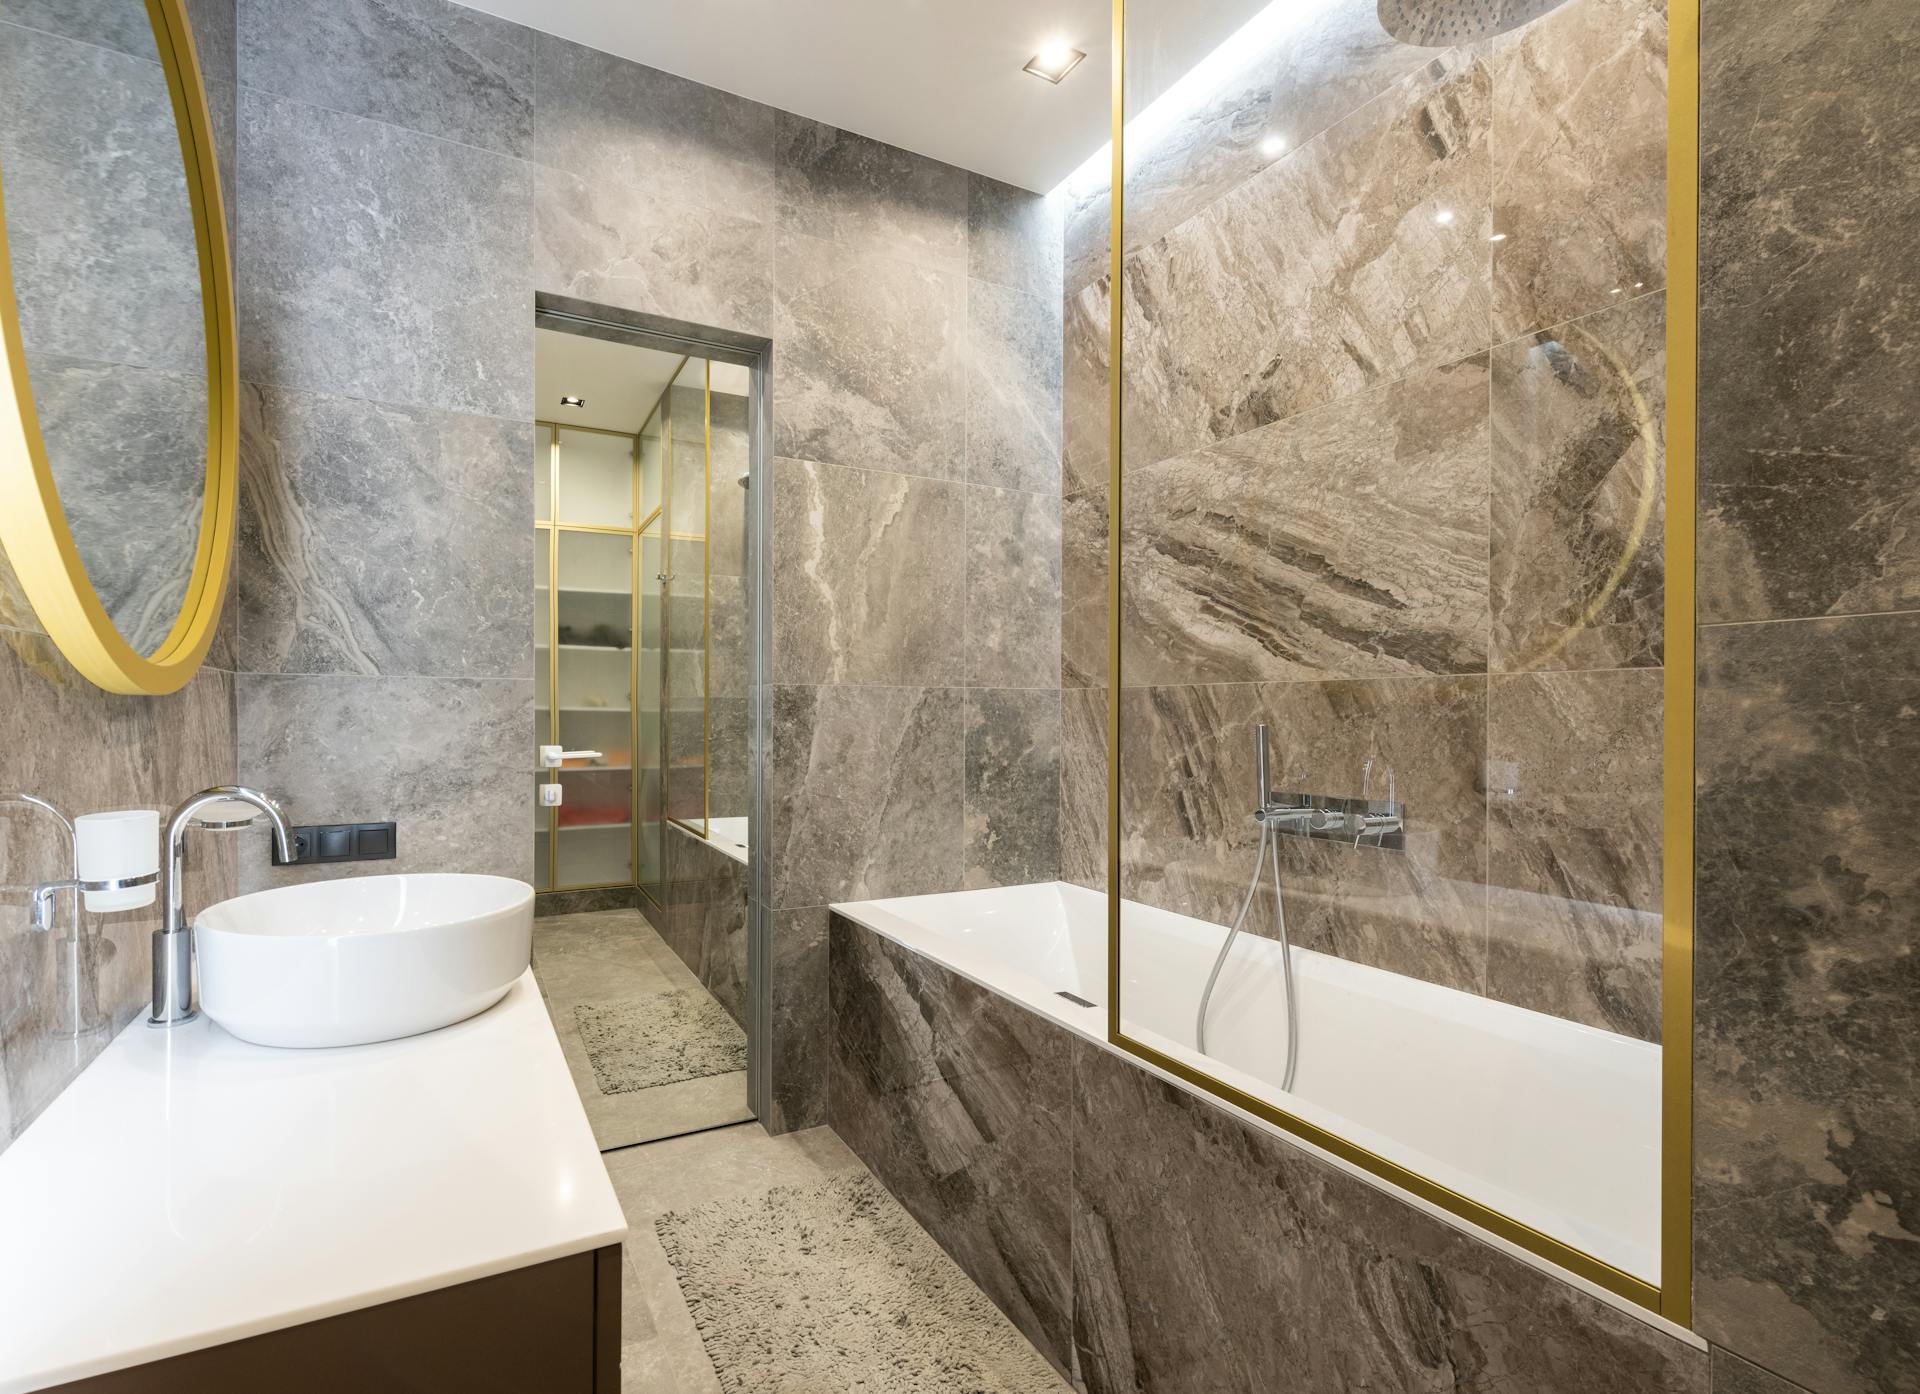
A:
(190, 1189)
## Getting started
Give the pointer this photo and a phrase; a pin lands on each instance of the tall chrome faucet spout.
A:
(173, 941)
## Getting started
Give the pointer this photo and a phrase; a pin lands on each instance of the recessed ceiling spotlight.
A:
(573, 402)
(1498, 237)
(1272, 146)
(1443, 217)
(1054, 61)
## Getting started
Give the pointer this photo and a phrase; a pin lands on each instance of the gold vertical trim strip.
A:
(1677, 848)
(1115, 294)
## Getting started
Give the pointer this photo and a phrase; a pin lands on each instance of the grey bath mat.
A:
(662, 1038)
(832, 1287)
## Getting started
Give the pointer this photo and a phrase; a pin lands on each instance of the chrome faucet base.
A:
(173, 941)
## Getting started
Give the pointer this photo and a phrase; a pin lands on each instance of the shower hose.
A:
(1269, 853)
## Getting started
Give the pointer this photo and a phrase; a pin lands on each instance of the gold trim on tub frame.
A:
(1672, 1298)
(33, 525)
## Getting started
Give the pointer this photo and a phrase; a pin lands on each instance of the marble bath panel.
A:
(1085, 387)
(1579, 493)
(92, 160)
(428, 65)
(1810, 309)
(869, 787)
(870, 572)
(1083, 787)
(1013, 786)
(959, 1101)
(1013, 237)
(1187, 772)
(381, 264)
(1348, 541)
(799, 1019)
(1807, 1001)
(1084, 606)
(382, 539)
(867, 196)
(1013, 388)
(1210, 1255)
(1013, 600)
(706, 919)
(616, 244)
(1298, 78)
(446, 758)
(85, 750)
(621, 125)
(873, 369)
(1574, 834)
(1282, 296)
(1580, 162)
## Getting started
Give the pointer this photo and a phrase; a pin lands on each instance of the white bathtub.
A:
(1552, 1123)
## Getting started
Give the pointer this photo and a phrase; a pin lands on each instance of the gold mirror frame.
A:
(33, 525)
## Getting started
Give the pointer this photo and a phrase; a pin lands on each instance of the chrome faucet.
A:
(173, 941)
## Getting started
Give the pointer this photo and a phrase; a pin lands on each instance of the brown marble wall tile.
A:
(1809, 308)
(1574, 835)
(1012, 625)
(1807, 1001)
(1348, 541)
(1580, 167)
(1729, 1374)
(868, 792)
(1289, 300)
(1013, 388)
(89, 751)
(799, 1019)
(1210, 1255)
(869, 576)
(958, 1100)
(1013, 786)
(1083, 787)
(1579, 493)
(1084, 604)
(1187, 777)
(550, 903)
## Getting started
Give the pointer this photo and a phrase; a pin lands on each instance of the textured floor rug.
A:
(833, 1287)
(662, 1038)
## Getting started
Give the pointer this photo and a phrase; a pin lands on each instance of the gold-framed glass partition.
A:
(1396, 470)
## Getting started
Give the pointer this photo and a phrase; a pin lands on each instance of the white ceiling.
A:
(621, 382)
(940, 77)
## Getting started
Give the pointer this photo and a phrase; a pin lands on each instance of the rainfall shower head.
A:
(1438, 23)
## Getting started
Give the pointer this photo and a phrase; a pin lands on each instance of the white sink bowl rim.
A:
(363, 958)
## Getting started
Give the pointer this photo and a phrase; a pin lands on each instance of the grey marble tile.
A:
(729, 757)
(1013, 388)
(1807, 1000)
(1085, 391)
(868, 794)
(707, 919)
(872, 360)
(1083, 787)
(870, 574)
(1580, 162)
(86, 750)
(382, 539)
(374, 262)
(799, 1019)
(729, 636)
(446, 758)
(429, 65)
(1574, 834)
(1187, 762)
(1579, 493)
(1013, 786)
(92, 160)
(1013, 236)
(1271, 301)
(1084, 607)
(868, 196)
(121, 25)
(1347, 541)
(618, 244)
(1012, 625)
(1732, 1375)
(731, 460)
(613, 122)
(958, 1100)
(1810, 309)
(1192, 1229)
(549, 904)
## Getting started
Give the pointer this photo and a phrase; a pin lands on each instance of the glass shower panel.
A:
(1390, 512)
(542, 701)
(596, 478)
(543, 473)
(594, 684)
(653, 462)
(688, 487)
(649, 773)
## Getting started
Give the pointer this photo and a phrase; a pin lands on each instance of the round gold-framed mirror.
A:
(119, 428)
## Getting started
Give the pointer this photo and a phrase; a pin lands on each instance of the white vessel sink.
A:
(361, 959)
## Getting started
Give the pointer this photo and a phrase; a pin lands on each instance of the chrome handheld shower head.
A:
(1263, 783)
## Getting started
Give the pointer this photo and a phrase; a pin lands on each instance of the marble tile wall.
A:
(411, 174)
(1393, 460)
(705, 919)
(88, 751)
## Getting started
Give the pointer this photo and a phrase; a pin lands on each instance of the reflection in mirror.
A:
(108, 282)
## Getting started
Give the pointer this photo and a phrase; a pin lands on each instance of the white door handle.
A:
(552, 757)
